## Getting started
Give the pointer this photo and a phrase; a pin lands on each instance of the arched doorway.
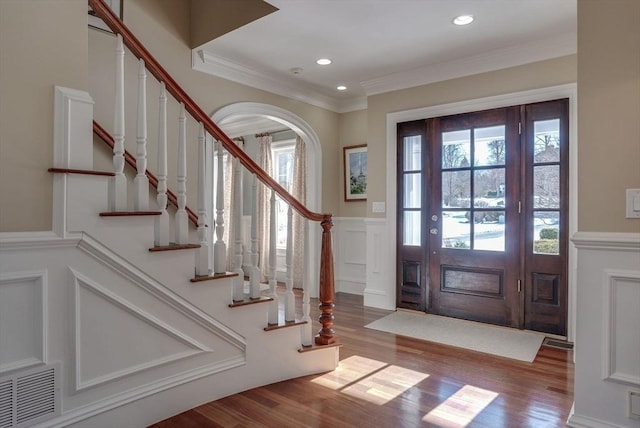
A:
(234, 119)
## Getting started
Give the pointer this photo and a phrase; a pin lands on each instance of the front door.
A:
(481, 217)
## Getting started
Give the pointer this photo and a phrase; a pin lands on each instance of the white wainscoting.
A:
(350, 254)
(23, 315)
(380, 291)
(607, 345)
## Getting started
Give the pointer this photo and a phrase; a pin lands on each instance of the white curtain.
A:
(265, 161)
(299, 191)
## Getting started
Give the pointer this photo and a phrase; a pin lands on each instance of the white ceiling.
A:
(383, 45)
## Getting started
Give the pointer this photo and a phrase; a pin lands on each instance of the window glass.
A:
(546, 230)
(412, 151)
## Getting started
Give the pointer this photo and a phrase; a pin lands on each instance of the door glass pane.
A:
(456, 149)
(488, 231)
(411, 226)
(411, 190)
(412, 151)
(456, 189)
(488, 187)
(489, 147)
(546, 136)
(546, 186)
(456, 229)
(546, 229)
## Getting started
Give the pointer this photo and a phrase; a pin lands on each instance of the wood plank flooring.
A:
(385, 380)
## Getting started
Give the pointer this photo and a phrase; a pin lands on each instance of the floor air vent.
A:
(29, 396)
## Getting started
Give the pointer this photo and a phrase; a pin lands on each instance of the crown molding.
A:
(512, 56)
(206, 62)
(538, 50)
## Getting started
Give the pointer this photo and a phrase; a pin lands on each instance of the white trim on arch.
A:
(505, 100)
(236, 111)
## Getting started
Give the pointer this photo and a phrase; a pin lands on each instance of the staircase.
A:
(125, 306)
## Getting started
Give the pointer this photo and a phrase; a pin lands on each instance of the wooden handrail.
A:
(105, 13)
(131, 161)
(326, 336)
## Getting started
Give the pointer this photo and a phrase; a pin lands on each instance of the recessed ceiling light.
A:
(323, 61)
(341, 88)
(463, 19)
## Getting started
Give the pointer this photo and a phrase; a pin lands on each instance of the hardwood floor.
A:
(417, 383)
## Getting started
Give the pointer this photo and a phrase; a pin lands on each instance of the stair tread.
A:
(213, 277)
(81, 171)
(173, 246)
(129, 213)
(261, 299)
(286, 324)
(316, 347)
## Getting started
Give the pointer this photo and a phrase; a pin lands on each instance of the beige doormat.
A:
(502, 341)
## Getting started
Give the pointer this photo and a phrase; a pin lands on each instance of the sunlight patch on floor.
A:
(461, 408)
(349, 371)
(385, 385)
(370, 380)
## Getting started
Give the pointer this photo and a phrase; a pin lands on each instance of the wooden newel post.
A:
(326, 335)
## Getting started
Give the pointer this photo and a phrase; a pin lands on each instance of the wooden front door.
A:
(481, 219)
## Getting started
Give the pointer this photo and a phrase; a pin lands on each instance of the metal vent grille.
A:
(35, 396)
(29, 397)
(6, 403)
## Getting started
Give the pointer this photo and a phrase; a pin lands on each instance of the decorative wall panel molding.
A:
(130, 340)
(23, 318)
(113, 261)
(621, 320)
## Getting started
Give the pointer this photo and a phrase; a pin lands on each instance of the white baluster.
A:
(220, 248)
(181, 217)
(238, 284)
(254, 275)
(162, 221)
(273, 293)
(141, 182)
(202, 254)
(290, 298)
(118, 188)
(307, 329)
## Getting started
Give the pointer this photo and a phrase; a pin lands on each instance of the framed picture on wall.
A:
(94, 21)
(355, 173)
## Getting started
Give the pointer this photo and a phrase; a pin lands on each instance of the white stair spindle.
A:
(290, 298)
(118, 188)
(202, 254)
(254, 275)
(220, 247)
(238, 283)
(273, 293)
(162, 221)
(141, 182)
(307, 329)
(181, 217)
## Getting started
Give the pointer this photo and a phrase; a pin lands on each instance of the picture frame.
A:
(95, 22)
(355, 173)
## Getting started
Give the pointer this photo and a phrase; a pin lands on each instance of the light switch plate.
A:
(378, 207)
(633, 203)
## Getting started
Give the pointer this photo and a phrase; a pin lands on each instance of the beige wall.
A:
(42, 44)
(530, 76)
(352, 132)
(169, 44)
(213, 18)
(608, 113)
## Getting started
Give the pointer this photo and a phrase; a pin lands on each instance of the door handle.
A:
(433, 231)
